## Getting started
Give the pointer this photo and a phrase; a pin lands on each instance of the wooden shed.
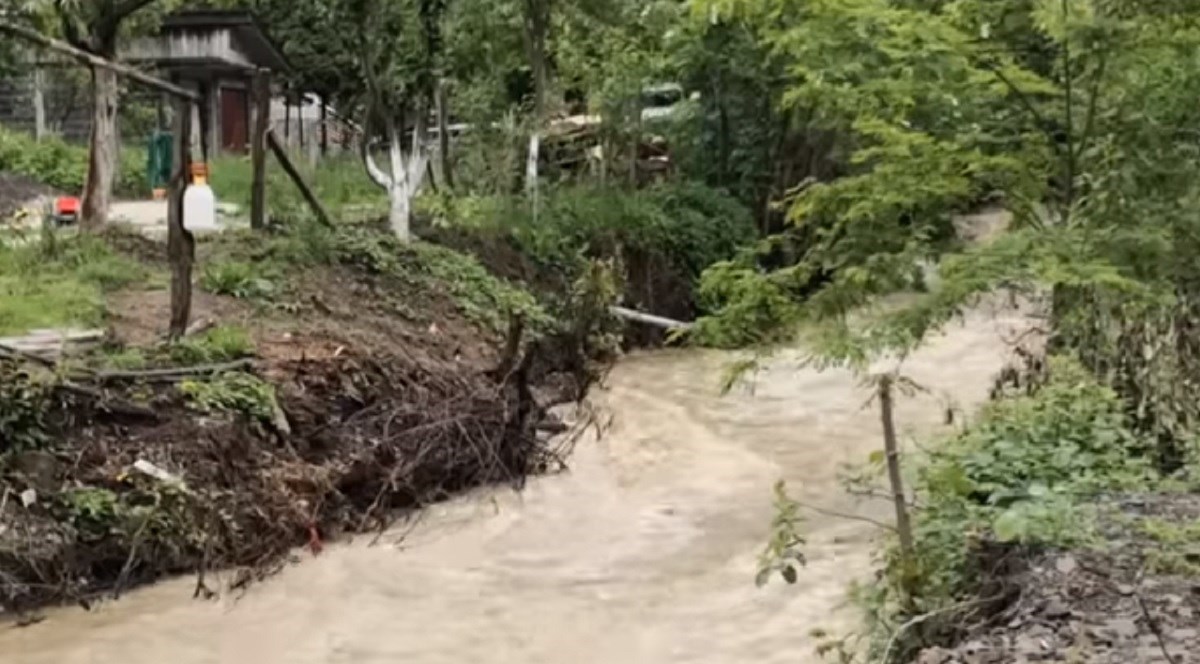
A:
(216, 53)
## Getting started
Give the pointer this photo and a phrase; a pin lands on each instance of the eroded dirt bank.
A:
(643, 553)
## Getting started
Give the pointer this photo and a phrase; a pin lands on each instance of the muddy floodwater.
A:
(643, 553)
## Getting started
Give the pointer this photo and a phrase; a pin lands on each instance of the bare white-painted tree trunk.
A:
(407, 175)
(39, 103)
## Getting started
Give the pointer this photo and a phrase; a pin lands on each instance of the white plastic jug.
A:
(199, 202)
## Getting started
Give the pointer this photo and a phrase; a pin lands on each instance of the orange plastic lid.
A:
(199, 169)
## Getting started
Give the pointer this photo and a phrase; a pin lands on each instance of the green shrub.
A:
(220, 344)
(237, 279)
(1022, 474)
(679, 227)
(23, 404)
(63, 166)
(232, 392)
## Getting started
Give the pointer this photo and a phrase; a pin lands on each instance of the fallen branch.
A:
(96, 61)
(18, 354)
(649, 319)
(171, 375)
(104, 403)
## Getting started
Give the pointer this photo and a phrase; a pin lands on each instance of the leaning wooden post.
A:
(181, 246)
(258, 148)
(891, 448)
(313, 203)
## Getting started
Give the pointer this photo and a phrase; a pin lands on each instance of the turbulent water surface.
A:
(643, 553)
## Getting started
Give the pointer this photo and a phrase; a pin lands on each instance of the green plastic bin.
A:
(158, 160)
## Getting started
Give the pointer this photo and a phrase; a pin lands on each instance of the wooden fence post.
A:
(258, 148)
(181, 246)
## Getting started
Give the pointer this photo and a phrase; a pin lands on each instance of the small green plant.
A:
(23, 403)
(92, 511)
(220, 344)
(123, 359)
(237, 279)
(782, 555)
(232, 392)
(142, 515)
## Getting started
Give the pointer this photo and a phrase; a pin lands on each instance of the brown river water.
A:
(643, 553)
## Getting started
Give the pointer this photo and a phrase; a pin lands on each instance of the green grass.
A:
(59, 282)
(339, 182)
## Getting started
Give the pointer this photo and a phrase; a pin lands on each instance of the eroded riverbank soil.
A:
(388, 399)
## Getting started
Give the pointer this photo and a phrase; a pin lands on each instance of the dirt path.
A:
(643, 554)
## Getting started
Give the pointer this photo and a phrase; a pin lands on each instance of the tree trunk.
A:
(181, 246)
(39, 103)
(102, 160)
(324, 126)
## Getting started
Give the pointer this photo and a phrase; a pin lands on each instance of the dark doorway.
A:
(235, 120)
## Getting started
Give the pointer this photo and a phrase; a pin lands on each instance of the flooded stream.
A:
(643, 553)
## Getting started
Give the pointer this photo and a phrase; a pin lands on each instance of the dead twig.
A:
(917, 620)
(1155, 628)
(845, 515)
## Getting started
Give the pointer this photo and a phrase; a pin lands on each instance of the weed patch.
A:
(237, 279)
(220, 344)
(232, 392)
(480, 296)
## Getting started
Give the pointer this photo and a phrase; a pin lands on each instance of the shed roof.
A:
(209, 38)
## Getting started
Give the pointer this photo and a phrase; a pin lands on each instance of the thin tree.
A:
(94, 26)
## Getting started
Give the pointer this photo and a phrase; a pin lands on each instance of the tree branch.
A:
(93, 60)
(1026, 103)
(846, 515)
